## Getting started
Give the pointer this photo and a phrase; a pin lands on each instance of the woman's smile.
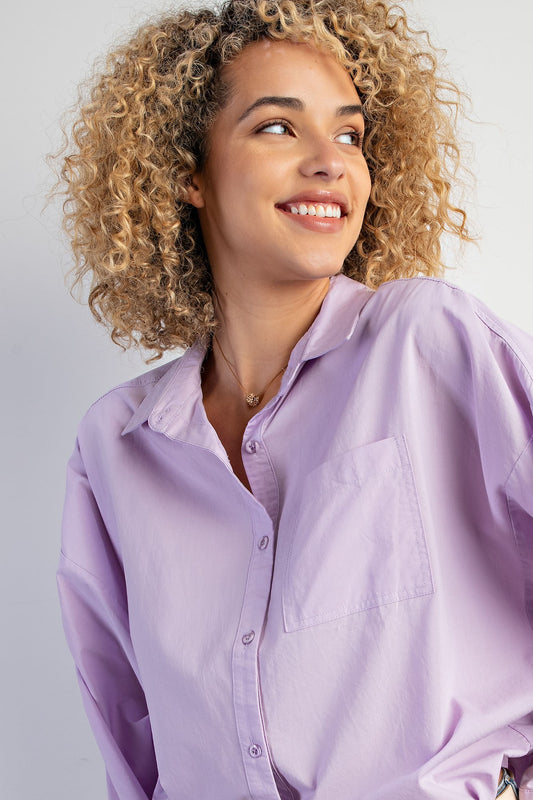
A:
(317, 210)
(315, 217)
(323, 212)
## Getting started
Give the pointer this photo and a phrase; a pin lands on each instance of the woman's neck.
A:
(258, 330)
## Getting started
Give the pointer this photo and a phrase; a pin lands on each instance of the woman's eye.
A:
(278, 128)
(351, 137)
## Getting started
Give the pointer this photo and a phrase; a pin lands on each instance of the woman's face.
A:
(283, 191)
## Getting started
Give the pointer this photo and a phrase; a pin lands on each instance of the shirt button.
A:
(263, 544)
(250, 446)
(162, 415)
(248, 637)
(255, 751)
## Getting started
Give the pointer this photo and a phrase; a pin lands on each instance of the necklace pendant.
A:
(252, 399)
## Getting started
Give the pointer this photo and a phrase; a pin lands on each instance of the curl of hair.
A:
(144, 130)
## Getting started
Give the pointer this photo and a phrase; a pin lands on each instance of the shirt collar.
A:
(172, 394)
(336, 320)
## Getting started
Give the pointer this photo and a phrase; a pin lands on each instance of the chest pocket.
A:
(358, 538)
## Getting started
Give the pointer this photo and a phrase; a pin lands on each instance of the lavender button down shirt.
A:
(358, 628)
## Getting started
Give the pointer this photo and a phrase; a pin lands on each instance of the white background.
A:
(57, 361)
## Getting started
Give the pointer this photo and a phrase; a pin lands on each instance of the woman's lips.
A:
(313, 222)
(315, 200)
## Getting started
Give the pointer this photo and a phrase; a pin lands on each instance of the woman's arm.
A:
(95, 616)
(519, 491)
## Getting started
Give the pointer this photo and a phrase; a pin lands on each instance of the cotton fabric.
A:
(357, 627)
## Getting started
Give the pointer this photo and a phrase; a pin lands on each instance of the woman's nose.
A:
(323, 159)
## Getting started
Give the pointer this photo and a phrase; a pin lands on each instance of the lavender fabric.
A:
(358, 627)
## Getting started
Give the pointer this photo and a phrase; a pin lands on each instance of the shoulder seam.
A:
(490, 322)
(510, 343)
(148, 379)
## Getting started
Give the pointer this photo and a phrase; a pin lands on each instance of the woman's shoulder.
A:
(113, 411)
(422, 297)
(435, 312)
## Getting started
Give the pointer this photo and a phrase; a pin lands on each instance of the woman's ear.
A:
(195, 193)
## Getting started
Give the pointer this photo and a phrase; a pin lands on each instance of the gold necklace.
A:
(252, 399)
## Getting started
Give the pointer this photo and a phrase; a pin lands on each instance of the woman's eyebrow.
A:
(285, 102)
(348, 111)
(297, 105)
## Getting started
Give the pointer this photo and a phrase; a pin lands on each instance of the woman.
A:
(290, 555)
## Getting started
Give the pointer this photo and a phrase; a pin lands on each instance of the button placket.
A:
(248, 717)
(249, 720)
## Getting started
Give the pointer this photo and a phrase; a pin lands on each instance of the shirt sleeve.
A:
(513, 422)
(519, 492)
(95, 617)
(484, 366)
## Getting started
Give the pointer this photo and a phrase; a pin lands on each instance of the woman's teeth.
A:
(317, 210)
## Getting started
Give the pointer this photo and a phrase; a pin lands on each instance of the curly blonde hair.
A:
(145, 130)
